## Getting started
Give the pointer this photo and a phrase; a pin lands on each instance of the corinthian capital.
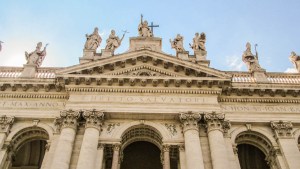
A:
(190, 120)
(282, 129)
(6, 123)
(215, 121)
(67, 119)
(93, 118)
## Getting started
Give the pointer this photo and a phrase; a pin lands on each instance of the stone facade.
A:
(87, 114)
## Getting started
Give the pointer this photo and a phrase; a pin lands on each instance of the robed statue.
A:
(177, 43)
(144, 29)
(93, 40)
(36, 57)
(113, 41)
(199, 42)
(295, 59)
(251, 60)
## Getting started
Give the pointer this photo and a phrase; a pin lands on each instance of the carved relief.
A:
(189, 120)
(6, 123)
(93, 118)
(111, 127)
(171, 128)
(282, 129)
(67, 119)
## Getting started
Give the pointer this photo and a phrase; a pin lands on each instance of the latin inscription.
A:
(240, 108)
(145, 99)
(30, 104)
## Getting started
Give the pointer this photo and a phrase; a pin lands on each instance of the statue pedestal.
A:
(105, 53)
(183, 55)
(260, 76)
(88, 55)
(200, 55)
(139, 43)
(29, 71)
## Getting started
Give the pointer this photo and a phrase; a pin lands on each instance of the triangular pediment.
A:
(143, 63)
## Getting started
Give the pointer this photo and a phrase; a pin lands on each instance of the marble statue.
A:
(250, 60)
(295, 59)
(113, 41)
(177, 43)
(144, 29)
(93, 40)
(36, 57)
(199, 42)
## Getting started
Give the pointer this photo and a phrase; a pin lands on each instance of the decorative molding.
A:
(260, 100)
(181, 147)
(216, 121)
(67, 119)
(171, 128)
(6, 123)
(93, 118)
(111, 127)
(282, 129)
(35, 95)
(166, 148)
(190, 120)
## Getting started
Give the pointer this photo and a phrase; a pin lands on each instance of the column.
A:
(5, 126)
(115, 161)
(45, 162)
(67, 124)
(88, 151)
(182, 157)
(287, 143)
(166, 155)
(194, 158)
(215, 128)
(100, 156)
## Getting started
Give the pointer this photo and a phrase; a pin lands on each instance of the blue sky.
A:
(272, 24)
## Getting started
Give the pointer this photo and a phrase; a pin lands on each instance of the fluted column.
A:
(67, 122)
(287, 143)
(194, 158)
(100, 156)
(182, 157)
(88, 151)
(5, 126)
(215, 128)
(166, 155)
(116, 154)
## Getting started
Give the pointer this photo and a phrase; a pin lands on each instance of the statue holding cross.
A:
(144, 29)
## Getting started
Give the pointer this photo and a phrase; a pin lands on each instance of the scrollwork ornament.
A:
(215, 121)
(282, 129)
(67, 119)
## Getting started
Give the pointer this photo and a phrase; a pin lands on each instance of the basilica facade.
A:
(145, 109)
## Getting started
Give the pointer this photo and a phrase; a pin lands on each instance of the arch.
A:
(28, 134)
(21, 126)
(265, 134)
(165, 134)
(296, 134)
(141, 133)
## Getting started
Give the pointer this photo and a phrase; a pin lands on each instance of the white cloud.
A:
(291, 70)
(234, 62)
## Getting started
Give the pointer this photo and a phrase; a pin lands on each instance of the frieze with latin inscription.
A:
(31, 104)
(249, 108)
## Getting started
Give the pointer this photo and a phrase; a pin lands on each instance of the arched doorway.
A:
(28, 147)
(251, 157)
(141, 154)
(141, 148)
(253, 149)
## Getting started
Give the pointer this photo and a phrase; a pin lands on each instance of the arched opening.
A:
(251, 157)
(141, 148)
(141, 154)
(253, 149)
(29, 147)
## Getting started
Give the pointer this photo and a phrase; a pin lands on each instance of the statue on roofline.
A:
(295, 59)
(250, 60)
(113, 41)
(93, 40)
(144, 30)
(177, 43)
(199, 42)
(36, 57)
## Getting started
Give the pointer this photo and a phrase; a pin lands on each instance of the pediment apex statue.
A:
(36, 57)
(144, 29)
(295, 59)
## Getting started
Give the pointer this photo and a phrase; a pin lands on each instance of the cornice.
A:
(258, 100)
(34, 95)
